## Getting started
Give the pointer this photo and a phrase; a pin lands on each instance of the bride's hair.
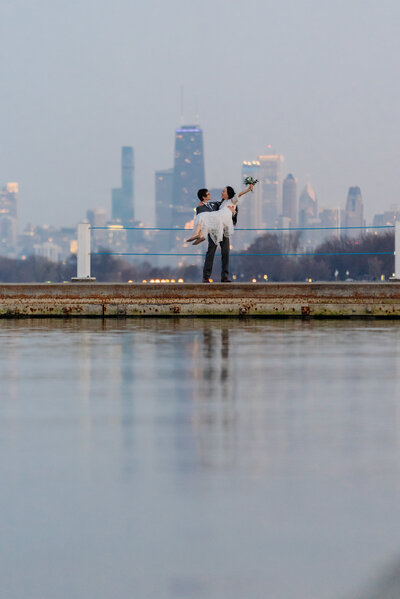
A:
(230, 191)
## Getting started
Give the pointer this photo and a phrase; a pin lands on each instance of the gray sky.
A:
(316, 79)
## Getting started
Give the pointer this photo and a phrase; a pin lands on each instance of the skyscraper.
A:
(164, 179)
(354, 212)
(271, 177)
(9, 219)
(289, 199)
(122, 197)
(308, 206)
(163, 185)
(188, 173)
(97, 217)
(250, 207)
(330, 218)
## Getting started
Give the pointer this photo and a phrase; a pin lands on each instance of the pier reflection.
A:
(267, 396)
(219, 394)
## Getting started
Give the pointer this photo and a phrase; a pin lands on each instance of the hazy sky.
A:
(316, 79)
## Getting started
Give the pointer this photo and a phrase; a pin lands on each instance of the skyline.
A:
(164, 196)
(314, 81)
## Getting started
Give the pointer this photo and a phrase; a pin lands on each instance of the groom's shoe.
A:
(206, 280)
(226, 280)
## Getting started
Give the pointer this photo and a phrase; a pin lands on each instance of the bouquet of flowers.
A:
(250, 181)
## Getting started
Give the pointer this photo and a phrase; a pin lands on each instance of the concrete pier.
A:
(301, 300)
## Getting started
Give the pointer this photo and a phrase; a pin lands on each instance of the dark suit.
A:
(225, 245)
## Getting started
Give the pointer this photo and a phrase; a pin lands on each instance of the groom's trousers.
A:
(209, 260)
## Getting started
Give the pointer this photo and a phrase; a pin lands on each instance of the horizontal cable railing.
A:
(84, 253)
(234, 254)
(121, 228)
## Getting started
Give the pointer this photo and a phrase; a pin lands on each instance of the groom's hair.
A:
(202, 194)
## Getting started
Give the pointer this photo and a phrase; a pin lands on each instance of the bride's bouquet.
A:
(250, 181)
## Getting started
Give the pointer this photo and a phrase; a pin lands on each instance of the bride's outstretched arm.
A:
(242, 193)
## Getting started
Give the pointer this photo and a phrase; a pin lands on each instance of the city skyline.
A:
(124, 196)
(274, 199)
(311, 78)
(275, 203)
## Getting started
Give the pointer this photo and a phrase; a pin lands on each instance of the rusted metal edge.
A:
(277, 300)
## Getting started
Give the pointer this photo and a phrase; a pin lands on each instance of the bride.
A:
(216, 221)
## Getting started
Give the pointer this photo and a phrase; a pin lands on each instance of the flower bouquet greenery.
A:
(250, 181)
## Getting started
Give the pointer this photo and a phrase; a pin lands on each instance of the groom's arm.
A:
(217, 206)
(200, 209)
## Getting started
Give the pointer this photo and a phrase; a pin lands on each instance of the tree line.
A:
(366, 258)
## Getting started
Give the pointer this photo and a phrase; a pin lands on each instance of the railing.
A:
(84, 245)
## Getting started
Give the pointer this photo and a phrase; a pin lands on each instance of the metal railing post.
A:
(83, 256)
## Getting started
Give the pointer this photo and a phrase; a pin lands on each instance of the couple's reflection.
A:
(216, 354)
(164, 374)
(214, 398)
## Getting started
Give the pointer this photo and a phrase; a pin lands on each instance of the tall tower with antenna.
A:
(189, 175)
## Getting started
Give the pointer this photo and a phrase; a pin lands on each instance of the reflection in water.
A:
(214, 396)
(245, 394)
(216, 453)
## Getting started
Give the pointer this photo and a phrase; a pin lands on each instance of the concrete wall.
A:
(216, 299)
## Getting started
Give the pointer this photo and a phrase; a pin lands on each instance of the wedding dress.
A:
(218, 223)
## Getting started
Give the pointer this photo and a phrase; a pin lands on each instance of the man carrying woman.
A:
(215, 220)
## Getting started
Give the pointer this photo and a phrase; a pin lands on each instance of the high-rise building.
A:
(188, 173)
(9, 219)
(122, 197)
(164, 179)
(309, 218)
(97, 217)
(163, 185)
(354, 212)
(249, 216)
(330, 221)
(330, 217)
(387, 218)
(49, 250)
(271, 178)
(9, 200)
(308, 206)
(289, 199)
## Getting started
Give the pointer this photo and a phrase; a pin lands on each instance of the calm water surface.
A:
(187, 459)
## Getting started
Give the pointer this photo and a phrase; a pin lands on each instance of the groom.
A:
(206, 206)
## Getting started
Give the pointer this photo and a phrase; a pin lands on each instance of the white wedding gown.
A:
(218, 223)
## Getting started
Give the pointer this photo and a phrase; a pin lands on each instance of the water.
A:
(188, 459)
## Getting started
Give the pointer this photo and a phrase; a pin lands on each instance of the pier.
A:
(267, 300)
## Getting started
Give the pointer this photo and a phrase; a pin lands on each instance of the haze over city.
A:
(315, 80)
